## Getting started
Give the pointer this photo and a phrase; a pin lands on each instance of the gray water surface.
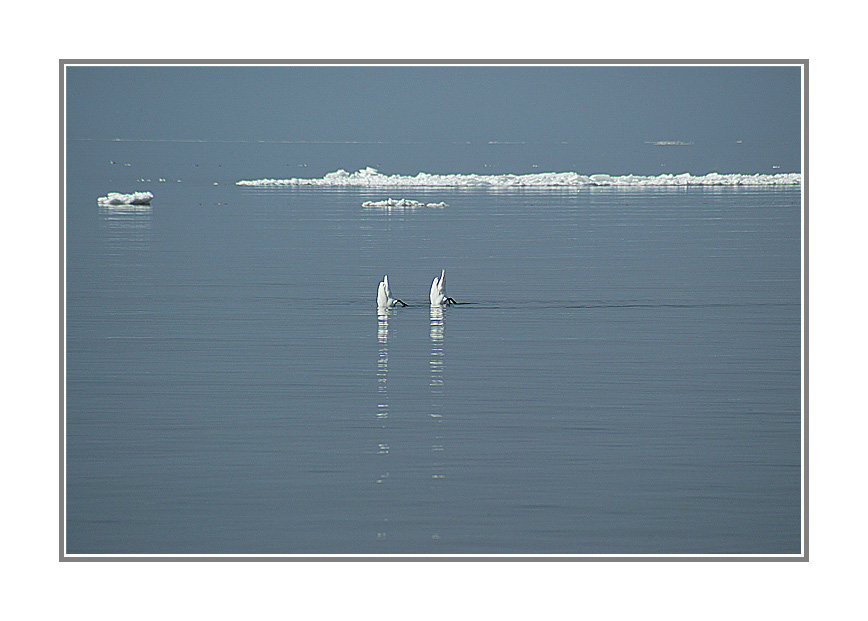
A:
(622, 374)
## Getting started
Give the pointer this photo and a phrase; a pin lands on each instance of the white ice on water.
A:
(371, 177)
(116, 198)
(403, 203)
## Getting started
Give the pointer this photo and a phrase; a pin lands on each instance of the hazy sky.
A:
(604, 108)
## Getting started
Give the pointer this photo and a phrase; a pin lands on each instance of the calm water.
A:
(622, 376)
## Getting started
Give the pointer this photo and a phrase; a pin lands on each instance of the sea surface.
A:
(622, 374)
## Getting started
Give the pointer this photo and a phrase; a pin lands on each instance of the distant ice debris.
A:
(403, 203)
(371, 177)
(669, 143)
(136, 198)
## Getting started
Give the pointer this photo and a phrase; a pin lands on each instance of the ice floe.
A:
(371, 177)
(116, 198)
(403, 203)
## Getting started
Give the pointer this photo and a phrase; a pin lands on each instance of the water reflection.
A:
(383, 401)
(426, 472)
(127, 229)
(383, 363)
(435, 385)
(435, 363)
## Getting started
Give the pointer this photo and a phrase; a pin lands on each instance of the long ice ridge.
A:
(371, 177)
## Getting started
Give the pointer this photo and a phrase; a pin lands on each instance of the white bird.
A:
(384, 295)
(438, 291)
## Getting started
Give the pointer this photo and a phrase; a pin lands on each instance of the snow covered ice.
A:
(403, 203)
(116, 198)
(371, 177)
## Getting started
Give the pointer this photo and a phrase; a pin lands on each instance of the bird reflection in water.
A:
(382, 398)
(435, 383)
(383, 363)
(436, 362)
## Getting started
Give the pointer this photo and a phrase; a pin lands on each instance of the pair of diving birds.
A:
(438, 293)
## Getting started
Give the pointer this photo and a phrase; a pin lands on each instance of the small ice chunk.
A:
(116, 198)
(402, 203)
